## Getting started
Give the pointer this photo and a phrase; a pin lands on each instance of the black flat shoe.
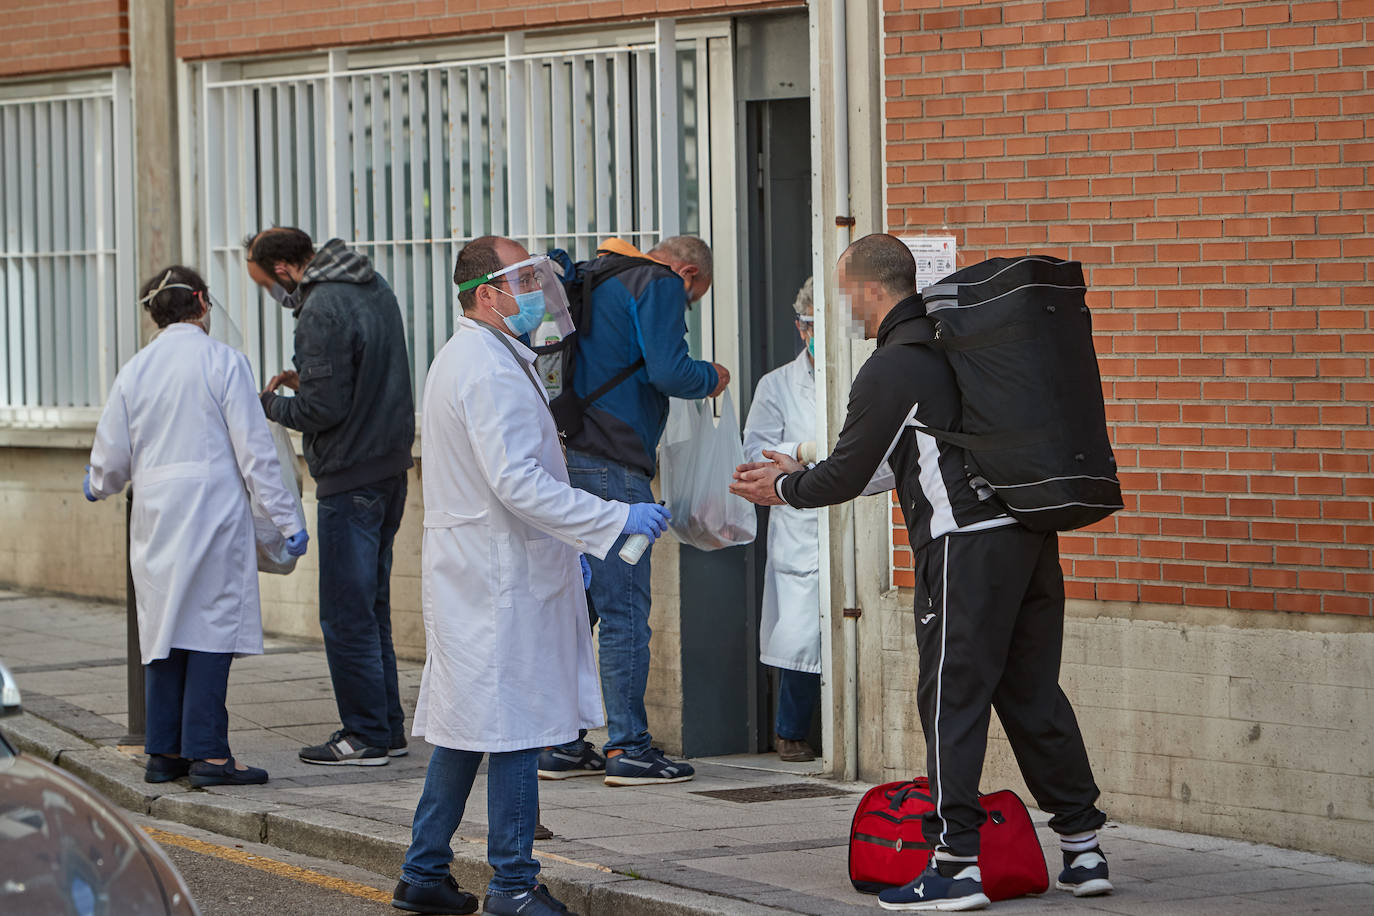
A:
(165, 769)
(444, 897)
(225, 774)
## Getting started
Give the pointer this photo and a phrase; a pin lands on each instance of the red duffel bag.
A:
(886, 848)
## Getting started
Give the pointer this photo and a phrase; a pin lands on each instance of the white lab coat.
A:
(781, 417)
(183, 422)
(508, 661)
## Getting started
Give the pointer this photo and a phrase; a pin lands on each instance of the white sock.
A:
(950, 866)
(1078, 842)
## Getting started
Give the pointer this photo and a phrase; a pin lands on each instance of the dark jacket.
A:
(639, 313)
(355, 404)
(903, 386)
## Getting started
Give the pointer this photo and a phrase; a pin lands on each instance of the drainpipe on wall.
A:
(843, 222)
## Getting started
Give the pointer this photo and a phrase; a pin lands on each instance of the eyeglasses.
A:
(527, 281)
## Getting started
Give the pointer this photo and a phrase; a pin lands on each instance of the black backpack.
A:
(1018, 334)
(556, 361)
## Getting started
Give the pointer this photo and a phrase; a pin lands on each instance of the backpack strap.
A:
(591, 279)
(621, 376)
(989, 442)
(617, 265)
(967, 441)
(1008, 333)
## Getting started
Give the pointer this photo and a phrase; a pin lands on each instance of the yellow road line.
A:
(271, 866)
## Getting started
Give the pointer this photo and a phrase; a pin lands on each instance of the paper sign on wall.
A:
(934, 256)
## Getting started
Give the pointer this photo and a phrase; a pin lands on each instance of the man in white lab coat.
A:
(509, 668)
(182, 423)
(782, 418)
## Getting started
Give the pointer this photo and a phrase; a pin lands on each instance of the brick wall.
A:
(45, 36)
(217, 28)
(1210, 163)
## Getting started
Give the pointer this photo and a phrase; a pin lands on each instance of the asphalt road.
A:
(229, 877)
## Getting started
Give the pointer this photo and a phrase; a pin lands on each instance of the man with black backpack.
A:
(629, 357)
(989, 601)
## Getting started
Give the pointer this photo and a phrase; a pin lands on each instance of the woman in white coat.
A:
(509, 668)
(782, 418)
(183, 424)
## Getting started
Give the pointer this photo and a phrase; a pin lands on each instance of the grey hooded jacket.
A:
(355, 405)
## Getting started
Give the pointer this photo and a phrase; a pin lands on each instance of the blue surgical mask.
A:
(531, 314)
(811, 346)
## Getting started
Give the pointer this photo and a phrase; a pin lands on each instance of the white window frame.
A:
(510, 64)
(67, 284)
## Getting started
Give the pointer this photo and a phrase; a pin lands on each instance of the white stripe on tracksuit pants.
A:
(989, 626)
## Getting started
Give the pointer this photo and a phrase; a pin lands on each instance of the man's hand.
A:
(289, 377)
(755, 482)
(786, 462)
(724, 374)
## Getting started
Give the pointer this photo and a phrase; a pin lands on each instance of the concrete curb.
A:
(40, 738)
(587, 888)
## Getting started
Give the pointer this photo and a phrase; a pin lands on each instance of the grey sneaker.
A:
(343, 749)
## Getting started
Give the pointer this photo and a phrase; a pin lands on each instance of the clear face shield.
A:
(222, 327)
(806, 329)
(541, 304)
(215, 321)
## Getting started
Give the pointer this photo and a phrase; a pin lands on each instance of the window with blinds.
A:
(557, 147)
(67, 321)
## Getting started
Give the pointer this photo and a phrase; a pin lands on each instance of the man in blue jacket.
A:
(639, 315)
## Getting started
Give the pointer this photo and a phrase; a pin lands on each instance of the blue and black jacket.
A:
(640, 312)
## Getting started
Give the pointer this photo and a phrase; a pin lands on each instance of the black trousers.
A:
(990, 629)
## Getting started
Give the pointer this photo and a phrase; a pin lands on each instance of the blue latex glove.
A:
(649, 519)
(586, 572)
(86, 485)
(296, 543)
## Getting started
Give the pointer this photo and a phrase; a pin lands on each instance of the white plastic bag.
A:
(272, 555)
(697, 460)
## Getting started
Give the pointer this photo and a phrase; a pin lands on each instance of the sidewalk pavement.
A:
(657, 850)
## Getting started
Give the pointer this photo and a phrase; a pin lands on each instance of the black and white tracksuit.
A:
(989, 593)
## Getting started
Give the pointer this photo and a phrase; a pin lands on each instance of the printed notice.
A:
(934, 256)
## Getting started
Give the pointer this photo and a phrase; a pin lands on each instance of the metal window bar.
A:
(68, 315)
(408, 163)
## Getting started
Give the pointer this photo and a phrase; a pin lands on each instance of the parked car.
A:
(66, 851)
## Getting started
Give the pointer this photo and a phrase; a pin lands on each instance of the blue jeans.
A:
(512, 813)
(798, 694)
(184, 695)
(620, 594)
(356, 530)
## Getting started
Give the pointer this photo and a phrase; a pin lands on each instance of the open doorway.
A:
(729, 698)
(778, 191)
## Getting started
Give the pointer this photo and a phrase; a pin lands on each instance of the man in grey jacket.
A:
(355, 407)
